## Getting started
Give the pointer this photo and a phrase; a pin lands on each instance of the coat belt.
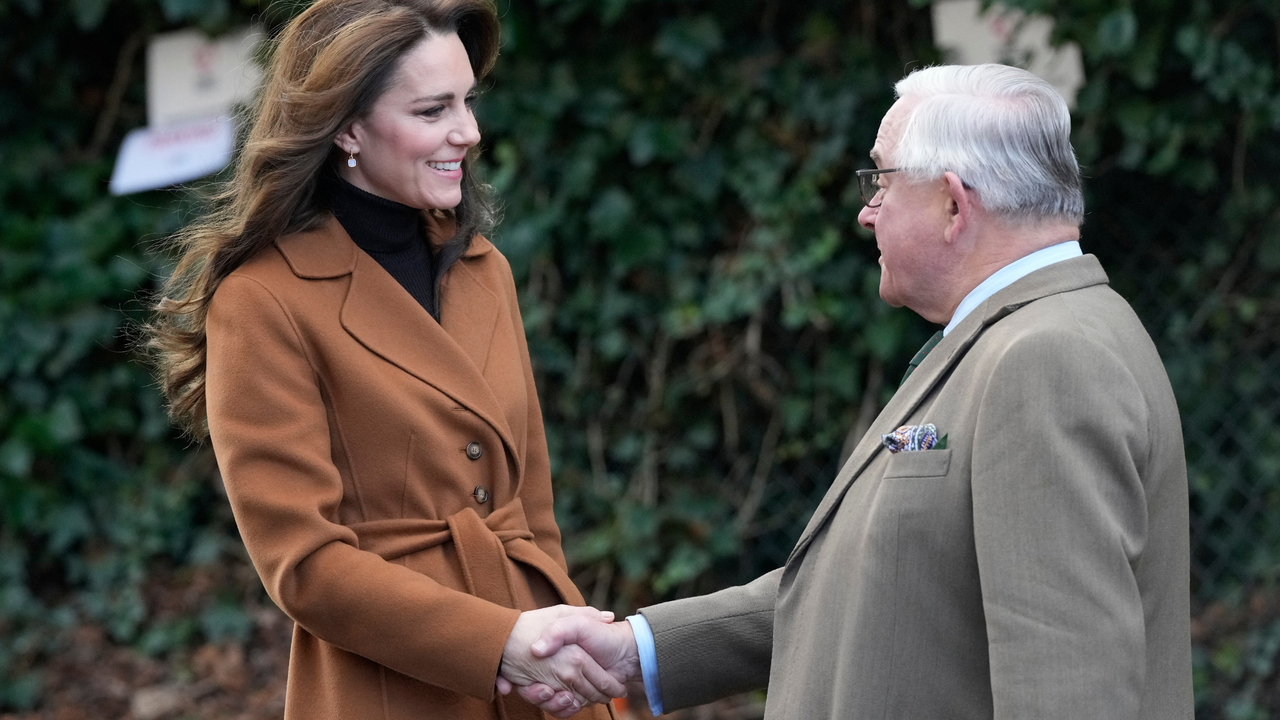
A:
(481, 548)
(480, 544)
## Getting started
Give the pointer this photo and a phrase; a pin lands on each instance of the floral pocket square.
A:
(909, 438)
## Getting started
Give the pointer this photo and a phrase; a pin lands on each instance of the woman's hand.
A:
(564, 680)
(611, 645)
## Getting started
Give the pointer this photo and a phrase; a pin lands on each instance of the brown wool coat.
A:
(388, 474)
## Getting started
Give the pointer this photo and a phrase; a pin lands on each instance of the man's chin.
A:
(888, 296)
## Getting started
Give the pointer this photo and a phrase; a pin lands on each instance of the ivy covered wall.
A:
(700, 302)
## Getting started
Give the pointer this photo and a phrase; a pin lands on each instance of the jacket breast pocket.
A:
(918, 464)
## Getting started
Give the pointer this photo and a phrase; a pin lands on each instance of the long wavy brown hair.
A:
(328, 67)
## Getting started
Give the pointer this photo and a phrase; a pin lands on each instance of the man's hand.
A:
(564, 681)
(611, 646)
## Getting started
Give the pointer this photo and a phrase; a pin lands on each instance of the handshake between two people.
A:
(562, 658)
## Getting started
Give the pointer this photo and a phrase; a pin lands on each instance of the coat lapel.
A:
(469, 307)
(469, 313)
(1060, 277)
(385, 318)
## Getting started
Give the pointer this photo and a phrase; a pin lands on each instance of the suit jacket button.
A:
(480, 494)
(473, 450)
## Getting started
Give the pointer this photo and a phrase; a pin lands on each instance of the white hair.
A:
(1005, 132)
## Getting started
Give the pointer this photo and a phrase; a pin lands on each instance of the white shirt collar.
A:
(1011, 273)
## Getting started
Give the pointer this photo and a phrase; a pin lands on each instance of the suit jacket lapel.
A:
(903, 403)
(1057, 278)
(383, 317)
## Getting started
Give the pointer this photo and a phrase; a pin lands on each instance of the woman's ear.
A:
(959, 206)
(347, 139)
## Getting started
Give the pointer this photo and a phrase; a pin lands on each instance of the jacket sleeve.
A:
(716, 645)
(270, 431)
(535, 489)
(1060, 521)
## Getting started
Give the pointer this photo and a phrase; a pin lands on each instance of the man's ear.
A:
(959, 206)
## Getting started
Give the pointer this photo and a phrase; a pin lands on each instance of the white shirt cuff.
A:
(648, 661)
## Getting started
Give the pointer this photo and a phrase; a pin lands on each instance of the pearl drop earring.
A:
(351, 160)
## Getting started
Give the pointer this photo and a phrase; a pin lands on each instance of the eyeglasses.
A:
(869, 184)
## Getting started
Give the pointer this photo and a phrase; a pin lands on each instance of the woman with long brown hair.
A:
(351, 343)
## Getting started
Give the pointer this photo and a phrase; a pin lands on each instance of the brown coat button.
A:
(473, 450)
(480, 494)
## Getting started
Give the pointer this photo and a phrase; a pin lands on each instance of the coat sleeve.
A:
(1060, 521)
(270, 431)
(535, 489)
(716, 645)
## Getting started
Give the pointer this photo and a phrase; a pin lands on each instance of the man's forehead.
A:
(885, 139)
(891, 127)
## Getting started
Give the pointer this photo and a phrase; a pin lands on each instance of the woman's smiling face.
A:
(409, 147)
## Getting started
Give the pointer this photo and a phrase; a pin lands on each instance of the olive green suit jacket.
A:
(1037, 567)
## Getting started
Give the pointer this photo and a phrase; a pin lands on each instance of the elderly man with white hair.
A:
(1009, 540)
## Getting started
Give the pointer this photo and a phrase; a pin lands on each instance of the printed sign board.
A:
(193, 86)
(191, 76)
(153, 158)
(968, 36)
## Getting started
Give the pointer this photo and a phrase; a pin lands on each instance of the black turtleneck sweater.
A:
(391, 233)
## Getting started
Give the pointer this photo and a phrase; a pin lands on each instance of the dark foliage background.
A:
(700, 302)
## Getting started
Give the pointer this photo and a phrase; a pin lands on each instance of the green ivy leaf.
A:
(610, 213)
(88, 13)
(16, 457)
(689, 41)
(176, 11)
(1116, 32)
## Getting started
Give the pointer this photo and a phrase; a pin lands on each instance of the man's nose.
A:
(867, 217)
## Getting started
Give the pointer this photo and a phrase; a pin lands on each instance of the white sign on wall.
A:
(193, 86)
(191, 76)
(968, 36)
(155, 158)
